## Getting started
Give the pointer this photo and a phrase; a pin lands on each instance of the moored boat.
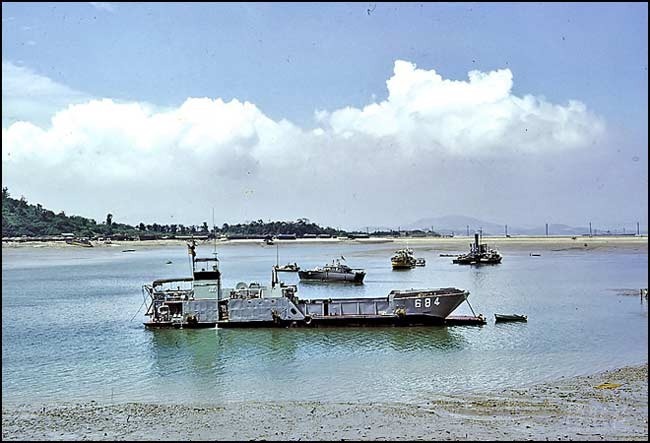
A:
(509, 317)
(403, 259)
(200, 301)
(335, 272)
(83, 242)
(479, 254)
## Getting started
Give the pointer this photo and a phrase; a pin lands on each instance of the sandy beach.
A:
(568, 409)
(444, 244)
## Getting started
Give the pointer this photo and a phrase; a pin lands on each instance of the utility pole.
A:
(506, 230)
(589, 229)
(468, 230)
(547, 229)
(637, 228)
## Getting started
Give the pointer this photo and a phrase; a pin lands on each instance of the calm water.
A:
(72, 327)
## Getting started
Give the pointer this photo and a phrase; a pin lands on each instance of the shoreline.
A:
(460, 244)
(566, 409)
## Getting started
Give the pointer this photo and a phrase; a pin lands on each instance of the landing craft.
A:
(200, 301)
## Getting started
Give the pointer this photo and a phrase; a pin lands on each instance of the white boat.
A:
(289, 267)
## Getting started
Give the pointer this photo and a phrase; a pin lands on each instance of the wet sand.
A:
(568, 409)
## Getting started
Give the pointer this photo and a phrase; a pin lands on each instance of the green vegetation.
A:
(22, 219)
(258, 228)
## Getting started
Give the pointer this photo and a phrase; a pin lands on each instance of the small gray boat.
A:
(336, 272)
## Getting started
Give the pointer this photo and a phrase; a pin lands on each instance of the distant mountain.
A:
(458, 224)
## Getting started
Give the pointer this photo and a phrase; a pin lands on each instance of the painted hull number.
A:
(426, 302)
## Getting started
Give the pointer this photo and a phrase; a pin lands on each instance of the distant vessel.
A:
(336, 271)
(479, 254)
(403, 259)
(200, 301)
(420, 262)
(289, 267)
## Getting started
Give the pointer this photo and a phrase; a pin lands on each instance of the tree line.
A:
(19, 218)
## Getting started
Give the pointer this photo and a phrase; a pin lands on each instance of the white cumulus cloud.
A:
(428, 137)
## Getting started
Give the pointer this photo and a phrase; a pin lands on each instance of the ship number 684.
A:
(427, 302)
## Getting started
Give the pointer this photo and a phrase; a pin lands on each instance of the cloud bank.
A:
(433, 146)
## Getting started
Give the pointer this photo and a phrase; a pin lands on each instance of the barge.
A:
(200, 301)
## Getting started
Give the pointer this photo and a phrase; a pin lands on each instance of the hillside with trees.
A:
(21, 219)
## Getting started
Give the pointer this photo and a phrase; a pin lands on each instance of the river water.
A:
(72, 327)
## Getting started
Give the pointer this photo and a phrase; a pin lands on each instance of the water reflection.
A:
(174, 350)
(212, 350)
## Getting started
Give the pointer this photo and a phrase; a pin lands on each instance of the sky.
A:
(348, 114)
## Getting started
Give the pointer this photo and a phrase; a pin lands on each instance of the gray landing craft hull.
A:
(200, 302)
(413, 308)
(399, 308)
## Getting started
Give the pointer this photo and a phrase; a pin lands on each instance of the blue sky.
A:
(305, 62)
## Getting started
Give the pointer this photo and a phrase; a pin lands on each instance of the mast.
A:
(214, 233)
(191, 245)
(216, 259)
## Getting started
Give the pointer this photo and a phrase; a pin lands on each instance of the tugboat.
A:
(403, 259)
(200, 301)
(479, 254)
(336, 272)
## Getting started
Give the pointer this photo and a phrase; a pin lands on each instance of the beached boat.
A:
(479, 254)
(289, 267)
(335, 272)
(83, 242)
(509, 317)
(403, 259)
(420, 262)
(200, 301)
